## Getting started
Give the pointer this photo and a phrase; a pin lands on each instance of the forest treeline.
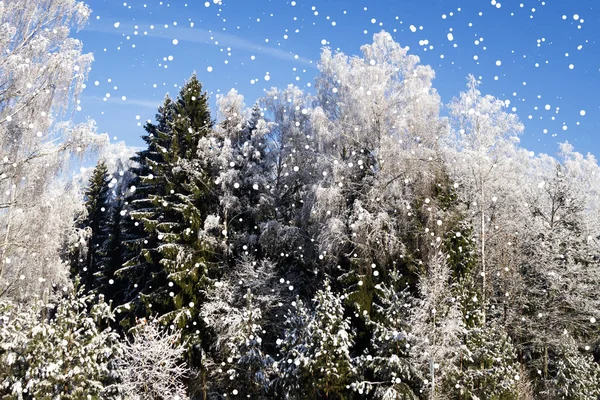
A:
(362, 241)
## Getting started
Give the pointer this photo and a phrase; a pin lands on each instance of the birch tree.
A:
(436, 325)
(42, 71)
(151, 365)
(482, 158)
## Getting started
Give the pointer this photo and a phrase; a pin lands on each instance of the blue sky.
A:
(543, 56)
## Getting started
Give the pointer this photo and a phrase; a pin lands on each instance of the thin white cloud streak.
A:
(203, 36)
(133, 102)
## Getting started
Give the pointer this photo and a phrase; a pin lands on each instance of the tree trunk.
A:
(483, 271)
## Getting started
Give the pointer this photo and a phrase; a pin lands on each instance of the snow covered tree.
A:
(143, 275)
(151, 365)
(182, 209)
(42, 71)
(577, 375)
(559, 272)
(483, 159)
(232, 317)
(248, 367)
(436, 325)
(376, 125)
(294, 168)
(316, 348)
(388, 370)
(60, 348)
(244, 169)
(86, 257)
(487, 368)
(294, 347)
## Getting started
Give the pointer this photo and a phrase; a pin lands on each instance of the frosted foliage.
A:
(231, 112)
(561, 280)
(436, 322)
(237, 357)
(483, 158)
(584, 173)
(56, 349)
(482, 123)
(390, 360)
(223, 310)
(481, 152)
(42, 71)
(386, 93)
(378, 126)
(292, 144)
(316, 345)
(151, 366)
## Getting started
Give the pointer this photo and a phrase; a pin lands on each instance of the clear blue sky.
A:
(543, 56)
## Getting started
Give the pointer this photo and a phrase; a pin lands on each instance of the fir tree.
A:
(317, 359)
(244, 196)
(488, 367)
(111, 285)
(143, 276)
(577, 374)
(388, 369)
(185, 259)
(57, 349)
(248, 366)
(87, 262)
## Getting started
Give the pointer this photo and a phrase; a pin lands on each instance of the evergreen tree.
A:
(245, 201)
(248, 367)
(488, 367)
(57, 349)
(294, 347)
(317, 358)
(577, 374)
(182, 209)
(111, 285)
(388, 369)
(87, 262)
(144, 278)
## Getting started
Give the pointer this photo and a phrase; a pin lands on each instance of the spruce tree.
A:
(57, 348)
(181, 208)
(388, 370)
(316, 361)
(245, 198)
(111, 285)
(248, 366)
(577, 374)
(144, 279)
(86, 262)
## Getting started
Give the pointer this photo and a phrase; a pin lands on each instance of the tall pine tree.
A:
(86, 258)
(145, 279)
(183, 207)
